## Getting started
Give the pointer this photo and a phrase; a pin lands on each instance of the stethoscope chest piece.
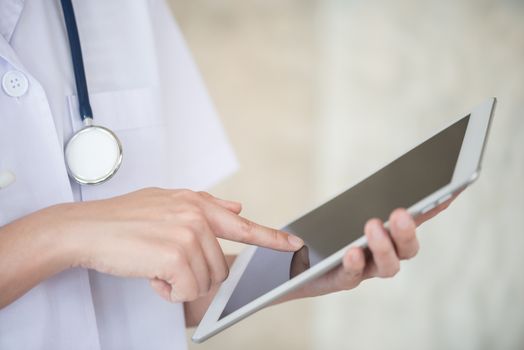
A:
(93, 155)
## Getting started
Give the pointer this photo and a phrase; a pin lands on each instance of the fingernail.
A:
(295, 241)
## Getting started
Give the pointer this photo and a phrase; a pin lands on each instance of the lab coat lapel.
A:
(10, 11)
(7, 53)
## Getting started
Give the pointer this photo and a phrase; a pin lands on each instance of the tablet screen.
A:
(339, 222)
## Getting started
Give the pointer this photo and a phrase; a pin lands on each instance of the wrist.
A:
(55, 234)
(31, 250)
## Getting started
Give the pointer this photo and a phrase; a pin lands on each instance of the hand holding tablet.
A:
(355, 268)
(424, 180)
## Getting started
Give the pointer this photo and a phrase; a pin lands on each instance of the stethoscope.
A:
(94, 153)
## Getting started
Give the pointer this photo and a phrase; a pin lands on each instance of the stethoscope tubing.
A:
(84, 104)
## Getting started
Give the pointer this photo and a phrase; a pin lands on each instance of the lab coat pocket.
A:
(135, 116)
(120, 109)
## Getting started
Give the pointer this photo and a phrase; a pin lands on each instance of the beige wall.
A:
(316, 94)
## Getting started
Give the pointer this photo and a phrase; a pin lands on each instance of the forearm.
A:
(195, 310)
(30, 252)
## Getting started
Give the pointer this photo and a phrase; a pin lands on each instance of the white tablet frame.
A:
(466, 172)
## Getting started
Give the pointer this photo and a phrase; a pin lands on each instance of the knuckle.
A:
(356, 273)
(173, 257)
(185, 193)
(205, 194)
(159, 193)
(381, 251)
(276, 235)
(246, 227)
(193, 215)
(149, 190)
(156, 189)
(188, 237)
(190, 293)
(167, 213)
(196, 211)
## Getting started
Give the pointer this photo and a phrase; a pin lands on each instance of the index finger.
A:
(230, 226)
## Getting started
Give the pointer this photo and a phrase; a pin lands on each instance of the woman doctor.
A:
(91, 267)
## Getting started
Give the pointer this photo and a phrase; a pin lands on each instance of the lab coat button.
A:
(15, 83)
(6, 178)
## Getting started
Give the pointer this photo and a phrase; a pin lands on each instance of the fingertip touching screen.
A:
(340, 221)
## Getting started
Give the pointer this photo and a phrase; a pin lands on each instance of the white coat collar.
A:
(10, 11)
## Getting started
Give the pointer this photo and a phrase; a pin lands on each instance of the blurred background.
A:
(315, 94)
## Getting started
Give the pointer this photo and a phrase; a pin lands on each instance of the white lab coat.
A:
(144, 86)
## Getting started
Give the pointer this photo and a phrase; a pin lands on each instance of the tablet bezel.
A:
(466, 171)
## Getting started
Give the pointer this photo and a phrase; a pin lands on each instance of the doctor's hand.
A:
(167, 236)
(381, 259)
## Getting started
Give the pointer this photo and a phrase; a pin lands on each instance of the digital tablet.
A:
(419, 180)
